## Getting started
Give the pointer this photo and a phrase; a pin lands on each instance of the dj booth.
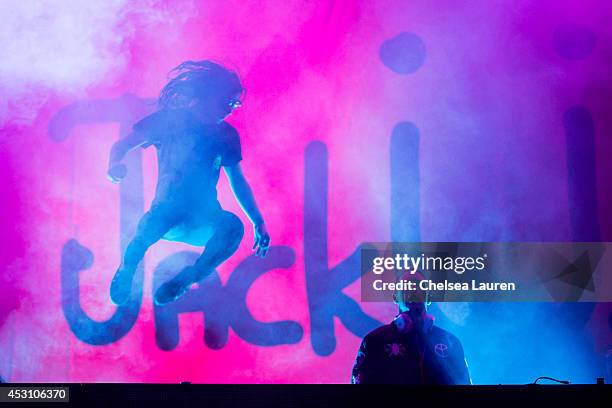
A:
(287, 396)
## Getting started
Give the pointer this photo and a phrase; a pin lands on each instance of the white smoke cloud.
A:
(67, 45)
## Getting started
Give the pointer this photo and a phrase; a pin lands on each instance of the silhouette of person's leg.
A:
(227, 232)
(224, 242)
(154, 224)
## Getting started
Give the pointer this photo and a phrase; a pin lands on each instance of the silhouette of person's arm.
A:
(116, 170)
(457, 364)
(361, 368)
(244, 194)
(464, 372)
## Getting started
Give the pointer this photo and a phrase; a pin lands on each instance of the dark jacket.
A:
(387, 356)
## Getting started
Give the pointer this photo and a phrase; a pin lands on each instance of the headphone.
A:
(405, 323)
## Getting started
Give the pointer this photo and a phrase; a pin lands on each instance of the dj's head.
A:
(413, 301)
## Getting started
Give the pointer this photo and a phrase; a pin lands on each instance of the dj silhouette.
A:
(411, 349)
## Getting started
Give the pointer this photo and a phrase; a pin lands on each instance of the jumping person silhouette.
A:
(193, 142)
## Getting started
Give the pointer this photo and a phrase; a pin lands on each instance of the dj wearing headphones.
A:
(411, 349)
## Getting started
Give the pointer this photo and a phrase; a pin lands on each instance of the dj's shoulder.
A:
(439, 333)
(380, 332)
